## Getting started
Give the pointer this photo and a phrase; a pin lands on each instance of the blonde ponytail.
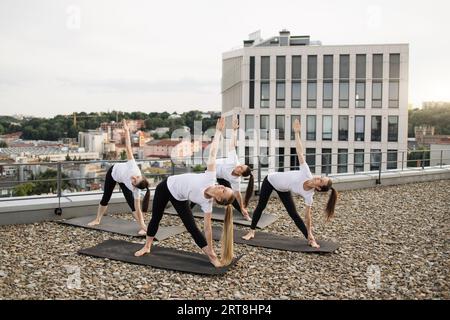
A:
(227, 241)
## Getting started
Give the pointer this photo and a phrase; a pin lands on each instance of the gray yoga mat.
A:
(278, 242)
(159, 257)
(123, 227)
(218, 214)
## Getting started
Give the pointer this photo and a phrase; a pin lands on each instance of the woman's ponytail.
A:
(250, 186)
(227, 240)
(331, 204)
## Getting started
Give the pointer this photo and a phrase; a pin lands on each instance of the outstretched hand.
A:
(220, 126)
(297, 126)
(235, 123)
(125, 125)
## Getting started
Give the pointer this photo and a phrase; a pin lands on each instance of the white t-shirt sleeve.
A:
(304, 166)
(210, 179)
(235, 184)
(309, 200)
(207, 207)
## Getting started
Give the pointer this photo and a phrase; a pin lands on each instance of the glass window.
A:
(326, 161)
(310, 127)
(328, 67)
(343, 94)
(376, 128)
(249, 126)
(293, 118)
(265, 68)
(358, 163)
(327, 94)
(359, 128)
(280, 159)
(344, 66)
(312, 94)
(310, 158)
(377, 66)
(251, 101)
(327, 128)
(393, 128)
(360, 66)
(249, 156)
(375, 159)
(393, 93)
(281, 68)
(296, 67)
(391, 159)
(394, 66)
(343, 128)
(377, 94)
(264, 126)
(312, 67)
(281, 94)
(264, 157)
(294, 159)
(252, 68)
(360, 96)
(296, 94)
(279, 125)
(265, 94)
(342, 160)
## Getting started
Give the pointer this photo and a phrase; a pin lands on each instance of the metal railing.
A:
(331, 164)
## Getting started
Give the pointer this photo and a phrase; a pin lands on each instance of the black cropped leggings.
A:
(225, 183)
(161, 198)
(286, 198)
(108, 189)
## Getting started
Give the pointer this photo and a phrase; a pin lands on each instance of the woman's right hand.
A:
(297, 126)
(125, 125)
(220, 124)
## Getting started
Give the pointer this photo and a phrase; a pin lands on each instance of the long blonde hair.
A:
(227, 238)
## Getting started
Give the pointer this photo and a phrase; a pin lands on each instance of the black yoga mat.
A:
(218, 214)
(123, 227)
(159, 257)
(278, 242)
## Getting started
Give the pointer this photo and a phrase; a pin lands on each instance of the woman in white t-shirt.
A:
(229, 172)
(299, 182)
(130, 181)
(202, 190)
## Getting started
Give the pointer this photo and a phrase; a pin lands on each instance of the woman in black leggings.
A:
(300, 182)
(201, 189)
(129, 177)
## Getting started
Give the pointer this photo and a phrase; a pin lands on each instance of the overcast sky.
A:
(59, 56)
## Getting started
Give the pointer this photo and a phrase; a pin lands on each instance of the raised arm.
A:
(298, 142)
(127, 140)
(234, 133)
(211, 165)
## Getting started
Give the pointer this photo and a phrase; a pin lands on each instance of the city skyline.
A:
(57, 57)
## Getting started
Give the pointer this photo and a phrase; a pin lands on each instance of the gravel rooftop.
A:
(401, 231)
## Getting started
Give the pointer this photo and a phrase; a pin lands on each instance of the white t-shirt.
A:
(225, 167)
(191, 186)
(122, 173)
(293, 181)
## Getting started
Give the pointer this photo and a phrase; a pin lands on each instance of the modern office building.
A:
(352, 102)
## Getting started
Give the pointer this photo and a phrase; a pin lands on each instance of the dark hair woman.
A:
(229, 172)
(130, 181)
(200, 189)
(300, 182)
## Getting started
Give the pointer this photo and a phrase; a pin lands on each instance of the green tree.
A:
(24, 189)
(123, 155)
(3, 144)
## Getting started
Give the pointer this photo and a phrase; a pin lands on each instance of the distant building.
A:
(93, 140)
(10, 137)
(172, 148)
(425, 136)
(161, 131)
(440, 154)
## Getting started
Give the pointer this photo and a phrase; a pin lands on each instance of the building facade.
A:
(351, 100)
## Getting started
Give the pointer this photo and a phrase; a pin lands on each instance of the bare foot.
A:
(141, 252)
(314, 244)
(249, 235)
(94, 223)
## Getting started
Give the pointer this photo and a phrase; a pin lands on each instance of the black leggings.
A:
(225, 183)
(161, 198)
(110, 184)
(286, 198)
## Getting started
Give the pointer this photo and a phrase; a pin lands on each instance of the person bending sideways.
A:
(229, 172)
(130, 180)
(299, 182)
(202, 190)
